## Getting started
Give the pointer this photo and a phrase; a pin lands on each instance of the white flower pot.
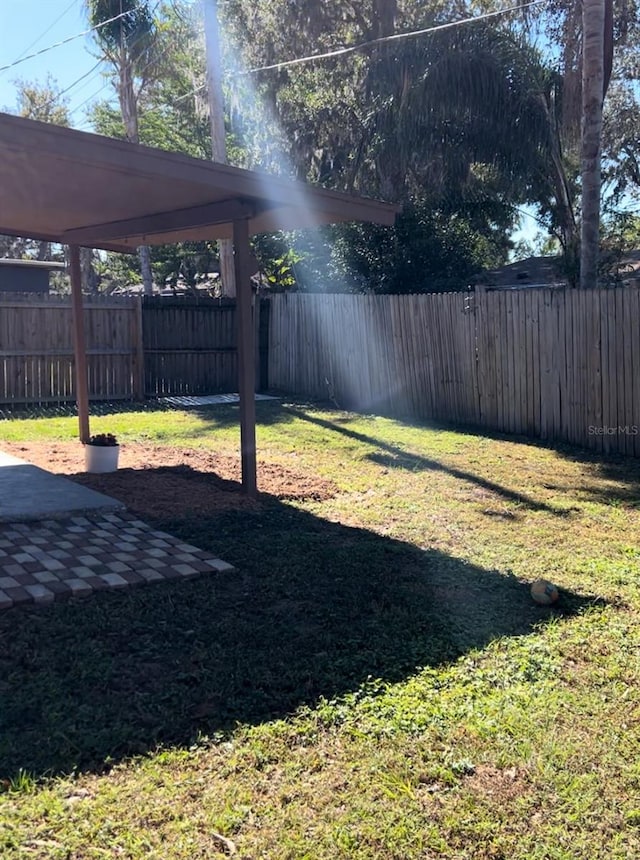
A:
(101, 458)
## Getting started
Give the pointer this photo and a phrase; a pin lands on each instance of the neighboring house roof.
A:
(532, 272)
(545, 272)
(30, 264)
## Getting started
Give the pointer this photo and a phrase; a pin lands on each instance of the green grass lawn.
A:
(373, 681)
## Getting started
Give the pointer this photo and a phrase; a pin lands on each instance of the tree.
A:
(332, 118)
(621, 141)
(218, 134)
(129, 43)
(470, 120)
(43, 102)
(459, 119)
(596, 39)
(173, 115)
(593, 92)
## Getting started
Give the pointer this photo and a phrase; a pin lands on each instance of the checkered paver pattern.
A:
(47, 560)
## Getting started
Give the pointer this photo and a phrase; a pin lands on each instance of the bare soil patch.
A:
(500, 784)
(156, 481)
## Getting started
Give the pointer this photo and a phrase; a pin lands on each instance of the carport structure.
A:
(85, 190)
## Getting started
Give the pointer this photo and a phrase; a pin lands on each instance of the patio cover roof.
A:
(79, 189)
(67, 186)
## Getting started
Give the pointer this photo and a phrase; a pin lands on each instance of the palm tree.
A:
(127, 40)
(474, 100)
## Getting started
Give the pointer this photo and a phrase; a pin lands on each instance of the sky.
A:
(28, 26)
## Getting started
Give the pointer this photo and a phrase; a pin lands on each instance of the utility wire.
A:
(71, 39)
(49, 28)
(346, 50)
(350, 49)
(106, 60)
(353, 48)
(71, 86)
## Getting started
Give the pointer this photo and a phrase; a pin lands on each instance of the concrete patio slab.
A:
(29, 493)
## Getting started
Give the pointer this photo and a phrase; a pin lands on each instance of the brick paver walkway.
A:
(45, 560)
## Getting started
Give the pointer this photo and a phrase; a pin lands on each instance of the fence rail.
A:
(556, 364)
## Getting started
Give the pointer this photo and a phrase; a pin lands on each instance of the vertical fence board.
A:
(190, 344)
(551, 363)
(36, 348)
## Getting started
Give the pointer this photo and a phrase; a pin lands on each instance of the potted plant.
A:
(101, 453)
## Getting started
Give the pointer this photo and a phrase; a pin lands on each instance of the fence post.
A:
(138, 351)
(246, 359)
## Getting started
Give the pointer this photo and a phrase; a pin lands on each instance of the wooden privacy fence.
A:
(36, 349)
(190, 345)
(551, 363)
(157, 346)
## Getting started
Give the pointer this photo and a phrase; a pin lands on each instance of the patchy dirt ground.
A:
(155, 481)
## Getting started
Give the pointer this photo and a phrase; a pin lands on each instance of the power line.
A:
(48, 30)
(71, 86)
(91, 77)
(353, 48)
(71, 39)
(92, 96)
(350, 49)
(104, 59)
(343, 51)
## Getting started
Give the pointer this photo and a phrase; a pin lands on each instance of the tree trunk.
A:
(88, 276)
(218, 138)
(144, 255)
(129, 111)
(564, 209)
(383, 18)
(127, 98)
(593, 26)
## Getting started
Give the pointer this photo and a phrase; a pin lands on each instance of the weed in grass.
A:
(20, 783)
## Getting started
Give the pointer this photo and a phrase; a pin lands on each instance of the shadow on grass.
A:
(313, 609)
(220, 414)
(621, 471)
(69, 410)
(391, 456)
(602, 466)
